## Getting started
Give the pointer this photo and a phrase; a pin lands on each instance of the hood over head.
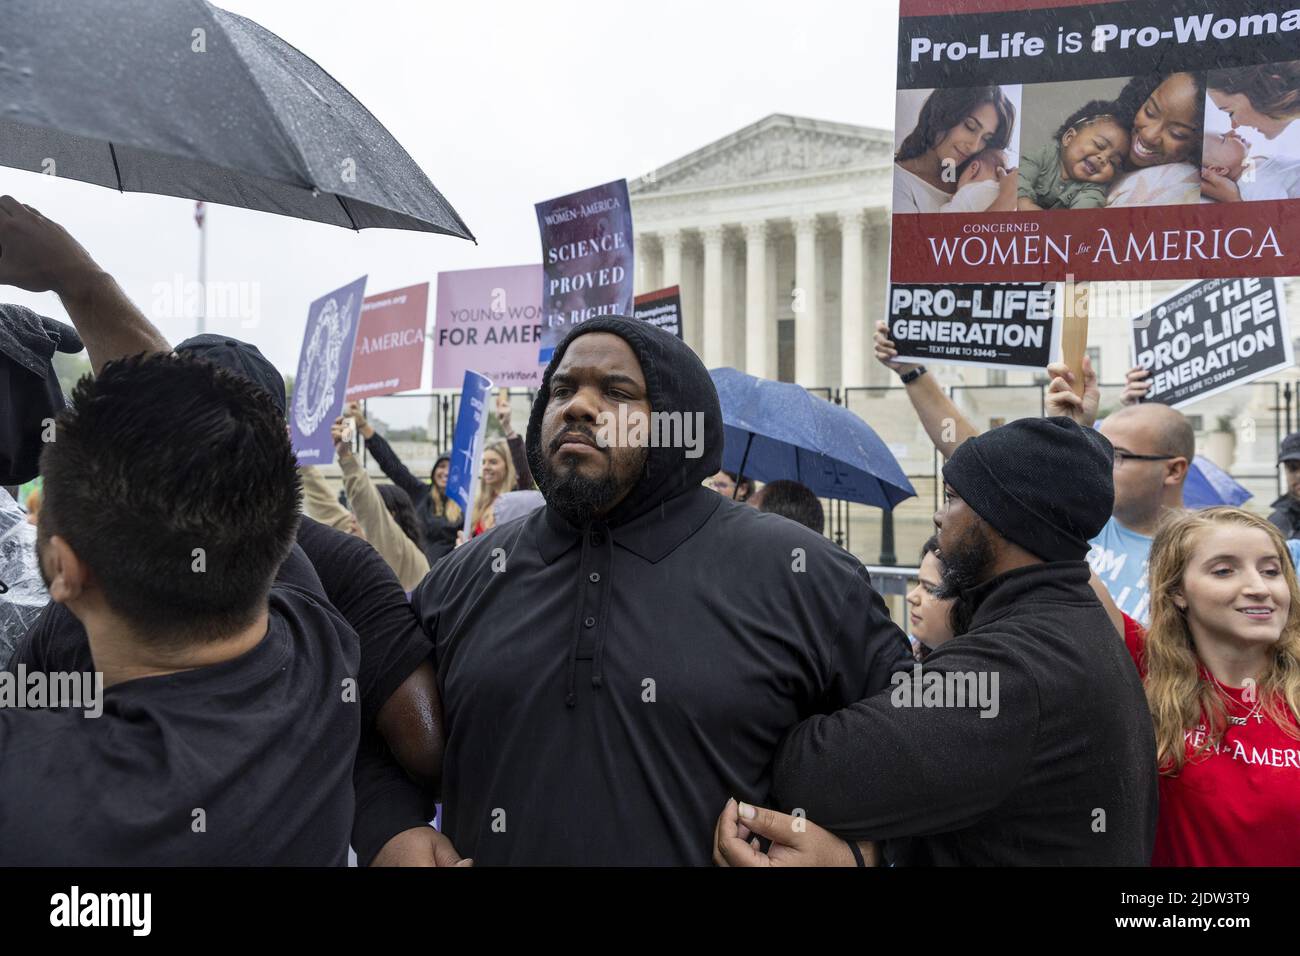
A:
(676, 381)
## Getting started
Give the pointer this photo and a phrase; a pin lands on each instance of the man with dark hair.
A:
(1286, 509)
(176, 560)
(400, 713)
(225, 696)
(1025, 741)
(793, 500)
(733, 486)
(603, 695)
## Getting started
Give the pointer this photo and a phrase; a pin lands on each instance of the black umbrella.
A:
(181, 98)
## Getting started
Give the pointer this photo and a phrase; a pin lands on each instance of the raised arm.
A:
(388, 461)
(942, 420)
(402, 554)
(523, 476)
(319, 502)
(38, 255)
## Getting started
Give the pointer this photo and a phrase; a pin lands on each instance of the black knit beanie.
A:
(1042, 483)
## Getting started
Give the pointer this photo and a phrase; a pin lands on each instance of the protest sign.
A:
(997, 326)
(1130, 99)
(490, 320)
(662, 309)
(389, 354)
(467, 444)
(323, 367)
(587, 258)
(1211, 336)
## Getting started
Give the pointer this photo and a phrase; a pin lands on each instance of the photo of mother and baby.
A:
(1142, 141)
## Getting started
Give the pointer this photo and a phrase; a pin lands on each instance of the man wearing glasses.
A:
(1154, 446)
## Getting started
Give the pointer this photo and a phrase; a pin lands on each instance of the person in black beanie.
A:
(1025, 740)
(617, 664)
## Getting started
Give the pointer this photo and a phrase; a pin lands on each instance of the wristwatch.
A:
(910, 377)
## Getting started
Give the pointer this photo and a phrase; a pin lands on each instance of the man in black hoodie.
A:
(619, 663)
(1025, 740)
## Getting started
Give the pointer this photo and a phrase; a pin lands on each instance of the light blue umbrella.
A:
(778, 430)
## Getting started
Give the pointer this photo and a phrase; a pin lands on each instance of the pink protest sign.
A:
(389, 354)
(490, 321)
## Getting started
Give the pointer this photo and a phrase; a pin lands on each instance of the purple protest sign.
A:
(489, 320)
(323, 367)
(587, 259)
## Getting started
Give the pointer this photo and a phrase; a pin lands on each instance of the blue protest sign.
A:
(467, 443)
(323, 367)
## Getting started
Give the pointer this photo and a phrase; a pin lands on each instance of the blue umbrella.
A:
(1208, 485)
(778, 430)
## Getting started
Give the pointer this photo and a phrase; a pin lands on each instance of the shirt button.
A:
(589, 622)
(597, 539)
(594, 577)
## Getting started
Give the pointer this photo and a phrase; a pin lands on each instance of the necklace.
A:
(1230, 700)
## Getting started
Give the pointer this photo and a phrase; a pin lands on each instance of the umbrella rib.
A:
(116, 171)
(276, 122)
(355, 227)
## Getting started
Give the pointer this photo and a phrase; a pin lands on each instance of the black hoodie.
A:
(606, 689)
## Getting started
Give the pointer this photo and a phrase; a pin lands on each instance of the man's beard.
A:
(579, 499)
(966, 563)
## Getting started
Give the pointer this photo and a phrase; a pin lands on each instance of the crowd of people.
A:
(662, 663)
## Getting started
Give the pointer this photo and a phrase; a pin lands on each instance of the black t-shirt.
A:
(340, 569)
(345, 574)
(247, 762)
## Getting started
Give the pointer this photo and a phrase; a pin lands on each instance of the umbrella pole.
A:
(743, 459)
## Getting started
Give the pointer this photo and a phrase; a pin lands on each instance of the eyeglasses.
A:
(1123, 456)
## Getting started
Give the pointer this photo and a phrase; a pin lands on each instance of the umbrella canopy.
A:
(1208, 484)
(778, 430)
(181, 98)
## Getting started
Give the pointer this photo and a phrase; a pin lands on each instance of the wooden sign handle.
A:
(1074, 330)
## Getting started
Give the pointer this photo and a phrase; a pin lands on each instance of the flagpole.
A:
(200, 216)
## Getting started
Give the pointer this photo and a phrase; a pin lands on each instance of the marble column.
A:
(877, 295)
(640, 248)
(759, 325)
(671, 245)
(854, 334)
(807, 304)
(714, 320)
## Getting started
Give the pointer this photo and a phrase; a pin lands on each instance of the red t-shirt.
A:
(1235, 805)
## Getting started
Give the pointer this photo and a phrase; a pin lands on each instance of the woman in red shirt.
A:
(497, 476)
(1221, 666)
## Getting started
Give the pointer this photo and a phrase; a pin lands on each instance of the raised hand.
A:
(1137, 382)
(887, 352)
(1061, 399)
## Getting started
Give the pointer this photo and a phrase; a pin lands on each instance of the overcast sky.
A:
(503, 103)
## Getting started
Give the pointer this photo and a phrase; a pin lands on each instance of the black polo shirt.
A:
(605, 692)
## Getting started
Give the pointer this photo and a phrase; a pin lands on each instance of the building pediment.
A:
(778, 147)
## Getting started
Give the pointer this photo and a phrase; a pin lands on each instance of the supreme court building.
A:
(779, 238)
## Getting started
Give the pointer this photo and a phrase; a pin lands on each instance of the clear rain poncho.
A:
(22, 593)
